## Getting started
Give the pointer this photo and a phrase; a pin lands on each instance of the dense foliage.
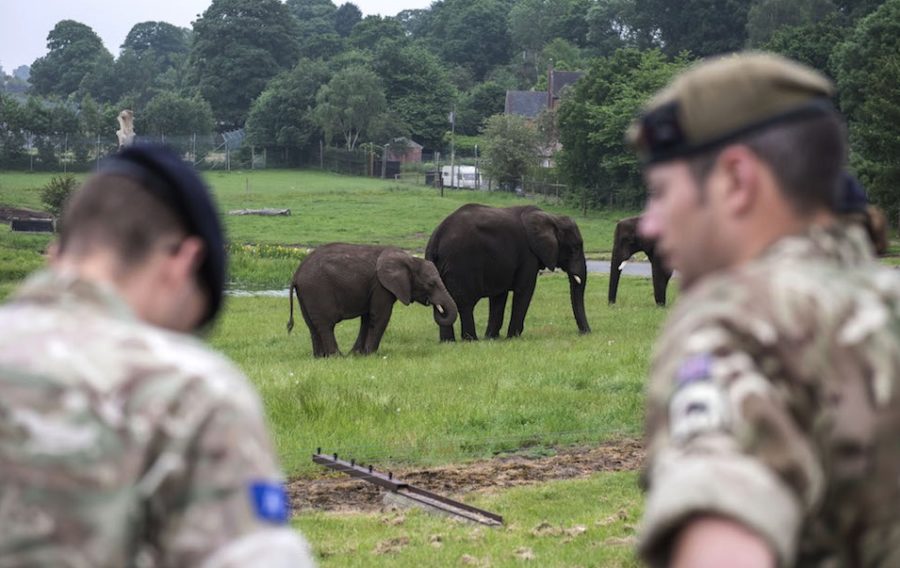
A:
(297, 73)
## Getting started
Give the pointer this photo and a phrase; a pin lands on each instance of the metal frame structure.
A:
(421, 496)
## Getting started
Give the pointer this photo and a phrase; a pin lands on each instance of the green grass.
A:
(586, 522)
(326, 207)
(23, 189)
(20, 254)
(418, 401)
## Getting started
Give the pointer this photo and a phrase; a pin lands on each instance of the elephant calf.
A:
(342, 281)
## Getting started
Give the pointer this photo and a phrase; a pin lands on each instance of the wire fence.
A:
(231, 151)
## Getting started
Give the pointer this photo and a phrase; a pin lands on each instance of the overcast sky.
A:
(24, 24)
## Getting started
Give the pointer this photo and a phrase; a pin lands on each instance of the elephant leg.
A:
(328, 341)
(495, 319)
(521, 301)
(318, 347)
(378, 322)
(360, 344)
(467, 323)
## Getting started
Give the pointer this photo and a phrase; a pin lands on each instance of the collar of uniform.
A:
(845, 243)
(52, 288)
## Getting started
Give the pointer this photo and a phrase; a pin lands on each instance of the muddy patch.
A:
(338, 492)
(9, 213)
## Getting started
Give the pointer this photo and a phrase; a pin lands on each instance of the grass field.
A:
(418, 402)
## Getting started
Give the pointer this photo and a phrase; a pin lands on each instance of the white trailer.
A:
(461, 176)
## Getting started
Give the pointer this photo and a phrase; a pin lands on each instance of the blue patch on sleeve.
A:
(270, 502)
(694, 368)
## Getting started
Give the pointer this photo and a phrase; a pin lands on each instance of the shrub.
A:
(57, 191)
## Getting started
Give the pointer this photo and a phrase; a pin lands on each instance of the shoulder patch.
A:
(269, 501)
(697, 408)
(694, 368)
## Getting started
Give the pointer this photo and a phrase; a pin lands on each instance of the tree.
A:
(593, 119)
(614, 24)
(346, 17)
(283, 116)
(416, 23)
(868, 78)
(471, 33)
(418, 89)
(170, 114)
(372, 30)
(511, 148)
(766, 17)
(316, 30)
(75, 51)
(159, 43)
(476, 105)
(351, 104)
(811, 43)
(238, 46)
(702, 27)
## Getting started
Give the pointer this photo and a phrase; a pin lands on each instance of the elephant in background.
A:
(343, 281)
(487, 252)
(626, 242)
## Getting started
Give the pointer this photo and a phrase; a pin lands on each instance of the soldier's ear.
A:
(741, 174)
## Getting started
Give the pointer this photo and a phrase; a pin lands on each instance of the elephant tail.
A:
(290, 323)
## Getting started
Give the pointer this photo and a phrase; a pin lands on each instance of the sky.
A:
(24, 24)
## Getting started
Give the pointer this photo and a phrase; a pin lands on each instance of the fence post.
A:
(384, 151)
(321, 155)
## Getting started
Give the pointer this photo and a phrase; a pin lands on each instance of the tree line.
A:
(296, 72)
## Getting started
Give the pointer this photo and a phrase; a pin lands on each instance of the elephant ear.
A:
(540, 227)
(394, 273)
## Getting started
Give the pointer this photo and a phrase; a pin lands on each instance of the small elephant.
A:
(487, 252)
(626, 242)
(343, 281)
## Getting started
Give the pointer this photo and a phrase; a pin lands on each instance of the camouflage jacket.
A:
(122, 444)
(774, 401)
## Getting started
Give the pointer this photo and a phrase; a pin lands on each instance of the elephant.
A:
(487, 252)
(626, 242)
(341, 281)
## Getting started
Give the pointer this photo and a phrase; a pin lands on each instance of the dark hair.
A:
(116, 213)
(807, 158)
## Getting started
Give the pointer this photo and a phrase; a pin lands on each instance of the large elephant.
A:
(626, 242)
(342, 281)
(487, 252)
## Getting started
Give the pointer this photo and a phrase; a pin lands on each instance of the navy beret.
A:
(162, 172)
(853, 197)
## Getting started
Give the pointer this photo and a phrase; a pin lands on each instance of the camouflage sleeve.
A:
(215, 491)
(722, 441)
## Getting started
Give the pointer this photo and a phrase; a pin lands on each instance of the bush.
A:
(57, 191)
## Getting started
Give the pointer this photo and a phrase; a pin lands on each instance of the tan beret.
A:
(720, 99)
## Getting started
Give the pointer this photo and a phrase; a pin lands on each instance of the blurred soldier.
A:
(123, 440)
(853, 206)
(773, 418)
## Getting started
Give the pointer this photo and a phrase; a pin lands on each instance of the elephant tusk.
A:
(622, 266)
(578, 280)
(440, 308)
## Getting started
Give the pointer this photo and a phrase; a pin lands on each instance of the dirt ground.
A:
(8, 213)
(339, 492)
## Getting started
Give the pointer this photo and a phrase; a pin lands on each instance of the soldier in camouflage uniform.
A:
(123, 440)
(773, 420)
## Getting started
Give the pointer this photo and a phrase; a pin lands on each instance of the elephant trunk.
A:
(444, 307)
(577, 284)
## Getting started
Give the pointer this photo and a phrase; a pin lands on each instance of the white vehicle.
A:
(461, 176)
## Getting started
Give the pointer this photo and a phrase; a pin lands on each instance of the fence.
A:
(230, 151)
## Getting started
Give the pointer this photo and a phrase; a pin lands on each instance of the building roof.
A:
(561, 79)
(407, 142)
(525, 103)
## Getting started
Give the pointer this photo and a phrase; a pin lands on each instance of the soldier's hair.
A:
(807, 158)
(115, 213)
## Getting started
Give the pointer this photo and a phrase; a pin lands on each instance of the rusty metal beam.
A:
(427, 498)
